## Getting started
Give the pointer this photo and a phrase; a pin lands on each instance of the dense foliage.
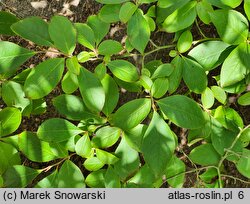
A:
(138, 143)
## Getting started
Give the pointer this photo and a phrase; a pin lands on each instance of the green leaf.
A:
(159, 87)
(83, 147)
(175, 172)
(164, 70)
(247, 8)
(208, 175)
(158, 145)
(12, 57)
(225, 3)
(109, 47)
(203, 9)
(219, 94)
(111, 1)
(131, 114)
(244, 99)
(35, 149)
(73, 66)
(129, 160)
(111, 179)
(44, 78)
(194, 76)
(126, 12)
(105, 157)
(6, 20)
(106, 137)
(111, 94)
(19, 176)
(85, 35)
(110, 13)
(9, 156)
(10, 119)
(182, 111)
(185, 41)
(129, 86)
(50, 181)
(243, 165)
(57, 130)
(124, 70)
(169, 3)
(96, 179)
(63, 34)
(176, 75)
(93, 164)
(69, 83)
(236, 66)
(91, 89)
(99, 27)
(207, 98)
(205, 155)
(138, 31)
(70, 176)
(231, 26)
(181, 18)
(13, 95)
(34, 29)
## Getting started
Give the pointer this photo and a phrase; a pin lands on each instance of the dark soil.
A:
(79, 14)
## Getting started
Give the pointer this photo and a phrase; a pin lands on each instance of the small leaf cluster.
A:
(184, 96)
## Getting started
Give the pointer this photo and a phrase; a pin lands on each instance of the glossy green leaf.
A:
(19, 176)
(111, 178)
(235, 67)
(231, 26)
(244, 99)
(50, 181)
(138, 31)
(12, 56)
(164, 70)
(57, 130)
(63, 34)
(129, 160)
(205, 155)
(131, 114)
(83, 147)
(185, 41)
(85, 35)
(106, 137)
(38, 106)
(34, 29)
(70, 176)
(96, 179)
(176, 75)
(180, 18)
(169, 3)
(182, 111)
(6, 20)
(106, 157)
(91, 89)
(225, 3)
(158, 145)
(44, 78)
(69, 83)
(126, 12)
(194, 75)
(93, 164)
(109, 47)
(243, 165)
(111, 94)
(10, 119)
(99, 27)
(73, 66)
(159, 87)
(207, 98)
(219, 94)
(9, 156)
(35, 149)
(247, 8)
(203, 9)
(110, 13)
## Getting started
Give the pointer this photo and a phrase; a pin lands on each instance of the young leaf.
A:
(205, 155)
(194, 76)
(85, 35)
(93, 164)
(219, 94)
(243, 165)
(203, 9)
(106, 137)
(182, 111)
(73, 66)
(83, 147)
(124, 70)
(244, 99)
(207, 98)
(110, 13)
(44, 78)
(70, 176)
(138, 31)
(35, 149)
(185, 41)
(111, 94)
(19, 176)
(106, 157)
(10, 119)
(159, 87)
(91, 89)
(96, 179)
(69, 83)
(126, 12)
(57, 130)
(63, 34)
(231, 26)
(6, 20)
(12, 56)
(9, 156)
(131, 114)
(34, 29)
(180, 18)
(109, 47)
(158, 145)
